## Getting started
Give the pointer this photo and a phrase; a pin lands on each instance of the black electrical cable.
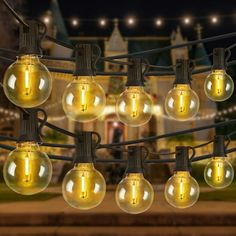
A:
(153, 138)
(14, 13)
(57, 145)
(58, 129)
(159, 50)
(61, 43)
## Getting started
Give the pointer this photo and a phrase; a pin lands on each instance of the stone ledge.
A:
(101, 219)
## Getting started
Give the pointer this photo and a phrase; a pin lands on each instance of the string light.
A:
(74, 22)
(131, 21)
(46, 19)
(187, 20)
(158, 22)
(103, 22)
(214, 19)
(134, 194)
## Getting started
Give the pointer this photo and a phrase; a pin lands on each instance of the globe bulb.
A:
(218, 173)
(181, 190)
(218, 86)
(134, 194)
(27, 82)
(84, 100)
(181, 102)
(27, 170)
(84, 187)
(134, 106)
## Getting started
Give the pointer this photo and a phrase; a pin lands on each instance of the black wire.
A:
(58, 145)
(152, 138)
(58, 129)
(203, 144)
(61, 43)
(14, 13)
(159, 50)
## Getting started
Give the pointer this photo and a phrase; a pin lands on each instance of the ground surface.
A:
(52, 216)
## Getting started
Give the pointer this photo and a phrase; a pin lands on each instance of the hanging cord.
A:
(201, 58)
(61, 43)
(15, 14)
(228, 55)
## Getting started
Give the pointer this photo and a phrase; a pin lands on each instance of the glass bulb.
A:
(218, 86)
(27, 82)
(84, 187)
(84, 100)
(134, 194)
(27, 170)
(181, 102)
(218, 173)
(181, 190)
(134, 106)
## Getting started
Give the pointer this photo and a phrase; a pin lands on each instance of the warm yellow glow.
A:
(83, 187)
(27, 82)
(134, 106)
(182, 102)
(181, 190)
(134, 194)
(218, 86)
(27, 170)
(84, 100)
(84, 103)
(218, 173)
(134, 112)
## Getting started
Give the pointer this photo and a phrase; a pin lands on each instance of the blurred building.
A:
(108, 124)
(116, 44)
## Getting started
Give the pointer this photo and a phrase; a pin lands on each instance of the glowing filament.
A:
(27, 82)
(83, 187)
(181, 102)
(219, 85)
(134, 112)
(134, 194)
(181, 190)
(84, 105)
(27, 169)
(219, 171)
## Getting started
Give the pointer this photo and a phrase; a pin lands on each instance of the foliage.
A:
(55, 137)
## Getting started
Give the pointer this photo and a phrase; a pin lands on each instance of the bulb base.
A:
(29, 129)
(30, 38)
(85, 60)
(135, 73)
(218, 59)
(182, 72)
(134, 161)
(85, 147)
(219, 146)
(182, 162)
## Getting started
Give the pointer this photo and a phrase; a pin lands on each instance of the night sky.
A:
(149, 9)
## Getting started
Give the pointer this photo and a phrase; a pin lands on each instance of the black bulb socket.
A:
(182, 161)
(182, 72)
(134, 160)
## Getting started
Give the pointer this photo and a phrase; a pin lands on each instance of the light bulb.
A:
(27, 170)
(27, 82)
(134, 194)
(218, 86)
(218, 173)
(134, 106)
(84, 100)
(83, 187)
(181, 102)
(181, 190)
